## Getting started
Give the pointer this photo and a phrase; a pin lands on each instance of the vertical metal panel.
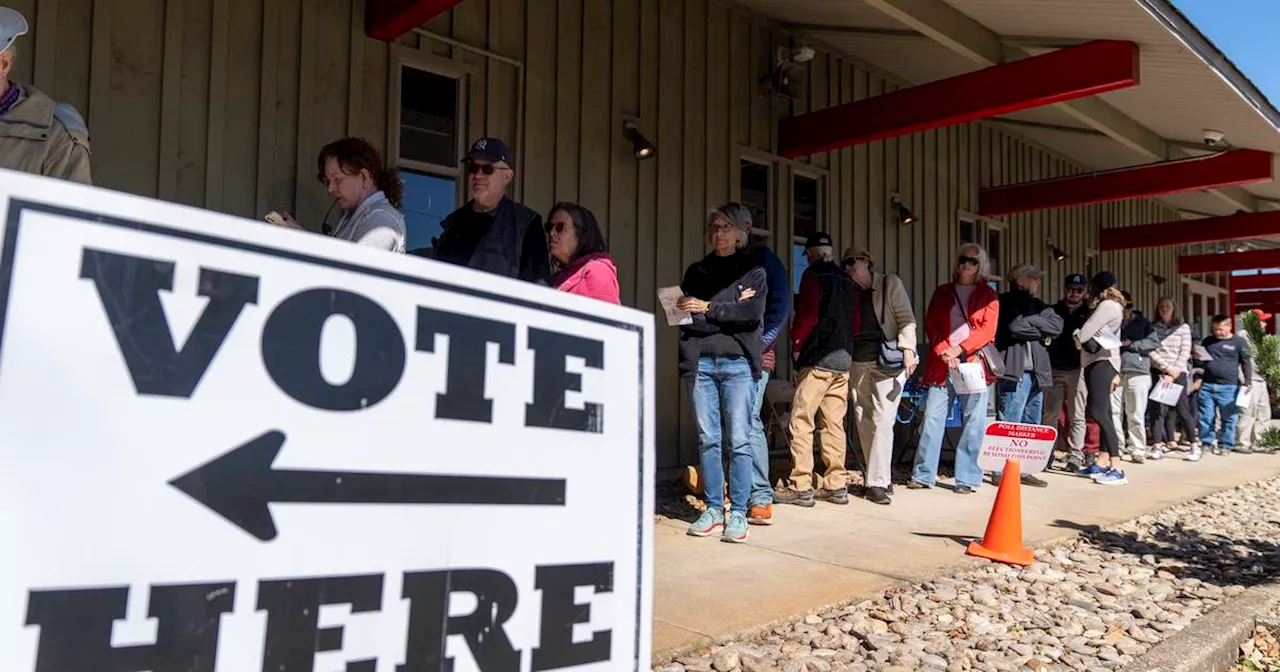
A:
(647, 199)
(693, 108)
(669, 211)
(24, 68)
(568, 98)
(597, 122)
(471, 25)
(624, 173)
(541, 154)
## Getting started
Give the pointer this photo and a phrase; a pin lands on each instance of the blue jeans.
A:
(722, 393)
(761, 490)
(1220, 397)
(1020, 401)
(973, 409)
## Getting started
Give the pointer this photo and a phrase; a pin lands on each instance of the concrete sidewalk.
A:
(809, 558)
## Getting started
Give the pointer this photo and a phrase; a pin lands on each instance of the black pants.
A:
(1097, 380)
(1166, 417)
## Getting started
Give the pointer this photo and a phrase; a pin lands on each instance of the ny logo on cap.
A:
(481, 144)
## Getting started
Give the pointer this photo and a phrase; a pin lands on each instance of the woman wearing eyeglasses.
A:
(960, 322)
(579, 254)
(367, 192)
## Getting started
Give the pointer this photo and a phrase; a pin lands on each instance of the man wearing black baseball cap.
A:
(1064, 359)
(492, 232)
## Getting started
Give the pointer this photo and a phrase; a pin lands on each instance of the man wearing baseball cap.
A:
(491, 232)
(1064, 359)
(37, 135)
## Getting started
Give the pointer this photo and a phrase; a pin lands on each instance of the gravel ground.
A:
(1092, 603)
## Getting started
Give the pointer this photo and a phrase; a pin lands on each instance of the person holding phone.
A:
(367, 192)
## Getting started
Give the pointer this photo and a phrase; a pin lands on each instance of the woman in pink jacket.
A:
(578, 251)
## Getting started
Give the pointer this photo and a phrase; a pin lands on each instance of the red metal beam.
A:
(1251, 299)
(1239, 283)
(1076, 72)
(1226, 169)
(1186, 232)
(1229, 261)
(387, 20)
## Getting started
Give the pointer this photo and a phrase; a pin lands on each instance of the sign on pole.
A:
(230, 446)
(1031, 445)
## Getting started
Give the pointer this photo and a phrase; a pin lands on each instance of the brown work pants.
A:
(823, 395)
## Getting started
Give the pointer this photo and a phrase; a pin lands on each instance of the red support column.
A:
(387, 20)
(1227, 169)
(1076, 72)
(1230, 261)
(1187, 232)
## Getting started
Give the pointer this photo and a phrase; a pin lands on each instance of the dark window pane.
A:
(966, 231)
(428, 117)
(994, 252)
(799, 263)
(756, 189)
(805, 203)
(428, 199)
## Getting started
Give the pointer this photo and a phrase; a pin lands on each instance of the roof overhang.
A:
(387, 20)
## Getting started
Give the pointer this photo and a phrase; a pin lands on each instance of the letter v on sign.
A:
(130, 287)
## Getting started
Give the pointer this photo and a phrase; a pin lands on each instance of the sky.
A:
(1245, 30)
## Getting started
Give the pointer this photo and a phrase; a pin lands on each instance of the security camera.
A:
(1213, 138)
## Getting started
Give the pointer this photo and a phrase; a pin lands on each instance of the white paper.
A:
(1244, 397)
(968, 378)
(1166, 393)
(669, 297)
(1107, 341)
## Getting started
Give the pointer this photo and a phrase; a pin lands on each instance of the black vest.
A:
(837, 305)
(499, 250)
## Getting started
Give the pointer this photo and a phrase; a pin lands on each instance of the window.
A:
(806, 206)
(995, 251)
(967, 232)
(427, 152)
(755, 183)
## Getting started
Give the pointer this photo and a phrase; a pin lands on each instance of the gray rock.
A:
(696, 664)
(758, 664)
(813, 619)
(672, 667)
(1131, 648)
(726, 659)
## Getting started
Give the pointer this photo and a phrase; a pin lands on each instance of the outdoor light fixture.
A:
(905, 216)
(1058, 253)
(1158, 279)
(640, 145)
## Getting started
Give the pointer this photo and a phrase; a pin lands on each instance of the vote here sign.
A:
(1031, 445)
(231, 447)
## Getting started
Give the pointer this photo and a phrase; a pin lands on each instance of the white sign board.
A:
(232, 447)
(1030, 445)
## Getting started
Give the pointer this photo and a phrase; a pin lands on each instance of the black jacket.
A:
(514, 244)
(833, 322)
(1136, 357)
(1063, 353)
(729, 328)
(1025, 321)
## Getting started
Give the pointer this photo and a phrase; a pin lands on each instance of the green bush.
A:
(1266, 352)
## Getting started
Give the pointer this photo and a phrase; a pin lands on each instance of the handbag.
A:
(989, 354)
(889, 359)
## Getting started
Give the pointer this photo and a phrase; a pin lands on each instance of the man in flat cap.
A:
(37, 135)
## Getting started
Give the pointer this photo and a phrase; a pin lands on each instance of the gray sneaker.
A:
(797, 497)
(840, 496)
(1138, 455)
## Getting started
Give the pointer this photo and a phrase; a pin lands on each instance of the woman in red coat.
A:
(961, 321)
(578, 250)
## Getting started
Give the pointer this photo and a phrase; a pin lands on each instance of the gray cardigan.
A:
(375, 223)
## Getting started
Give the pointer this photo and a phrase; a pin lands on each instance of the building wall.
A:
(224, 104)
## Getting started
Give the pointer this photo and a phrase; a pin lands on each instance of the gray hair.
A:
(1025, 271)
(984, 262)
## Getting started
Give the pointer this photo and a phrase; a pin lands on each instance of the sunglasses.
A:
(486, 168)
(853, 260)
(557, 227)
(963, 260)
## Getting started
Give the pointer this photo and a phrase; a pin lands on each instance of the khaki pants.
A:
(1130, 399)
(825, 393)
(875, 397)
(1066, 386)
(1254, 418)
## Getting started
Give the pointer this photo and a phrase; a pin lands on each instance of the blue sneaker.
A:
(710, 522)
(1092, 470)
(1111, 477)
(736, 531)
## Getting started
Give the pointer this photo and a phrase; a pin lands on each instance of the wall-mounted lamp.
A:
(640, 145)
(1057, 253)
(1157, 279)
(904, 214)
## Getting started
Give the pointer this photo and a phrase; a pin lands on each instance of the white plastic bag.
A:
(969, 378)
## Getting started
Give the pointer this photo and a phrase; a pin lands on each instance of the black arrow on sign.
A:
(239, 484)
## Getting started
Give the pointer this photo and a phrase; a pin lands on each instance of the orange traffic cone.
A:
(1003, 540)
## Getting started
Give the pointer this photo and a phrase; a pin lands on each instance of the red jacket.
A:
(984, 313)
(594, 275)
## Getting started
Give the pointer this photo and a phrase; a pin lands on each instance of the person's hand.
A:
(909, 361)
(1115, 382)
(287, 220)
(746, 294)
(1126, 343)
(952, 352)
(953, 362)
(1168, 378)
(689, 304)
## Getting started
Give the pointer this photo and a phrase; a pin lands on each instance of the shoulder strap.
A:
(884, 291)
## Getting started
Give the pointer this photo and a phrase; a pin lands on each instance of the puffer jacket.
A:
(42, 137)
(1174, 351)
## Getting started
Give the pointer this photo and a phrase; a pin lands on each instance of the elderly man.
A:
(37, 135)
(492, 232)
(822, 332)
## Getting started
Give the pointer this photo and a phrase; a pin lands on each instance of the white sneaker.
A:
(1194, 455)
(1156, 453)
(1138, 455)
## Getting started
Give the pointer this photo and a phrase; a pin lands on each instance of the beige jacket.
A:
(34, 140)
(899, 322)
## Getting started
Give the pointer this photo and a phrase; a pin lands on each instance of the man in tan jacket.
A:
(885, 314)
(37, 135)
